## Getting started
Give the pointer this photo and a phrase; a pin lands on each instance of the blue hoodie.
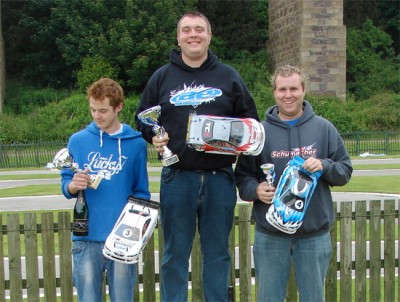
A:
(122, 160)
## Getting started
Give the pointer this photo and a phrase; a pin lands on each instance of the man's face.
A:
(104, 115)
(289, 96)
(193, 38)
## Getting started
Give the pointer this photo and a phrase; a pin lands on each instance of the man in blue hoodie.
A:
(292, 129)
(119, 154)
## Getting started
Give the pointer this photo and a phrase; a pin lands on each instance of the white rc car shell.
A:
(292, 197)
(225, 135)
(132, 230)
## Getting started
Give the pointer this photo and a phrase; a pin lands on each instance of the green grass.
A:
(374, 184)
(28, 176)
(376, 167)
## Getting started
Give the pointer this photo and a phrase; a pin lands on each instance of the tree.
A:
(2, 66)
(372, 66)
(383, 13)
(237, 25)
(134, 36)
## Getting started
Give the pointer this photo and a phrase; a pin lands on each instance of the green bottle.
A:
(80, 225)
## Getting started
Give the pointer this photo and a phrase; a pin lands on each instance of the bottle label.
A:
(80, 226)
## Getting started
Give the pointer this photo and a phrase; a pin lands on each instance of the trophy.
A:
(269, 172)
(150, 118)
(64, 161)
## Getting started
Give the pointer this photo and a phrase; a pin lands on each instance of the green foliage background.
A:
(56, 48)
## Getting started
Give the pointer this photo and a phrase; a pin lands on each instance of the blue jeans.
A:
(272, 261)
(206, 199)
(88, 268)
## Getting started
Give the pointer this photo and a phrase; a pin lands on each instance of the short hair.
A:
(193, 15)
(106, 88)
(287, 70)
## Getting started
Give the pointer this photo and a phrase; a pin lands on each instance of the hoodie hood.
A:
(175, 58)
(126, 133)
(272, 118)
(272, 115)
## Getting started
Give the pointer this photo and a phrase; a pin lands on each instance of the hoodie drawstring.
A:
(119, 152)
(119, 147)
(101, 138)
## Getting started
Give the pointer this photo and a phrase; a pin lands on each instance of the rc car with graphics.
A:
(292, 196)
(132, 230)
(225, 135)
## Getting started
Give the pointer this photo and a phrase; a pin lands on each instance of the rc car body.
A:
(292, 196)
(132, 230)
(225, 135)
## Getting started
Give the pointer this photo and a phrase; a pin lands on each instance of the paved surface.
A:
(59, 202)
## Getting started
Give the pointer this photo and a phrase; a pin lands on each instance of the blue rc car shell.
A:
(292, 196)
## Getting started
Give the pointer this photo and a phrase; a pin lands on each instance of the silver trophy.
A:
(150, 117)
(64, 161)
(269, 171)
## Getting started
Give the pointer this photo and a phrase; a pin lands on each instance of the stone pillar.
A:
(311, 35)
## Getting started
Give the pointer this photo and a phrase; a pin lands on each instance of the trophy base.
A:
(170, 160)
(95, 181)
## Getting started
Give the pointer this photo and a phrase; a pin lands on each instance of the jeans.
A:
(272, 261)
(88, 269)
(190, 198)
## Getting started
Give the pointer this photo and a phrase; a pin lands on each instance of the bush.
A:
(22, 99)
(57, 121)
(94, 68)
(336, 111)
(372, 66)
(378, 113)
(381, 112)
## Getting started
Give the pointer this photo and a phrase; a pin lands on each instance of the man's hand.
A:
(265, 193)
(80, 181)
(160, 141)
(313, 164)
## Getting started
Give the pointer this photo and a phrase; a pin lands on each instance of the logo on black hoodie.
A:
(194, 95)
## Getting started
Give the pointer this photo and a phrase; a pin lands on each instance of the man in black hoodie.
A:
(199, 190)
(292, 129)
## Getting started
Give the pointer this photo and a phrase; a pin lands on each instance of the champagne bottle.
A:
(80, 225)
(231, 293)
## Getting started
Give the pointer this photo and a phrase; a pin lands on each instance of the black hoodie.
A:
(311, 136)
(214, 88)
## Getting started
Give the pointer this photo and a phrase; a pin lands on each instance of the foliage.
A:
(58, 120)
(242, 25)
(384, 13)
(372, 66)
(381, 112)
(254, 70)
(134, 36)
(334, 110)
(51, 39)
(23, 99)
(94, 68)
(378, 113)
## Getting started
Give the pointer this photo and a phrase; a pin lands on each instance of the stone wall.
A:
(311, 35)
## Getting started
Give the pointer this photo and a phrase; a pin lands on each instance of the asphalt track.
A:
(59, 202)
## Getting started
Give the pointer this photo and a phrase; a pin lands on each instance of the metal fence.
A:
(38, 154)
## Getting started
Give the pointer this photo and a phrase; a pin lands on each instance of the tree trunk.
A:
(2, 66)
